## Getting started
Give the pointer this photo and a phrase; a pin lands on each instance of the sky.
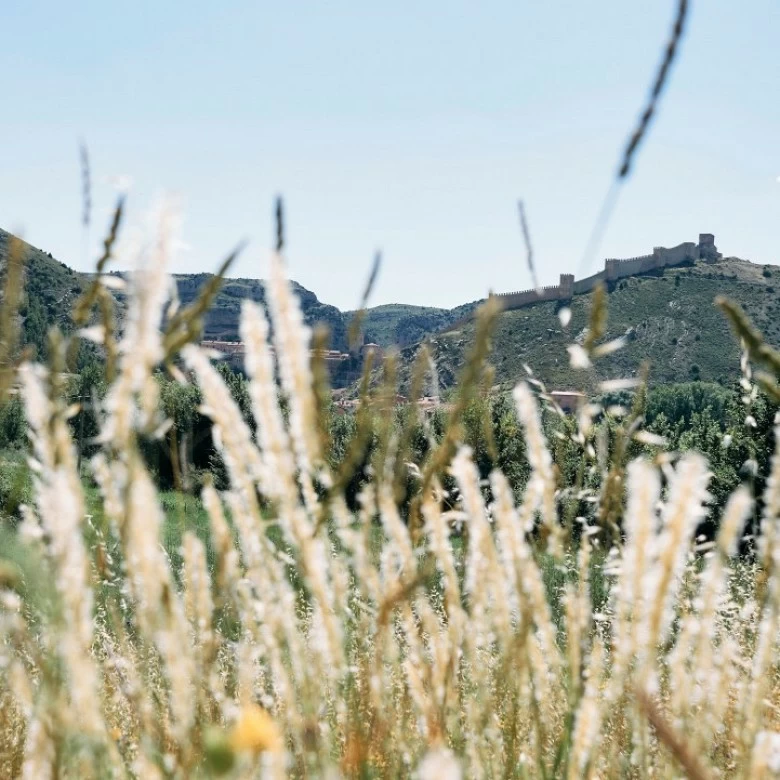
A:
(410, 127)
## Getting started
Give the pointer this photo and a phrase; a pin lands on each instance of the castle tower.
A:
(707, 249)
(567, 285)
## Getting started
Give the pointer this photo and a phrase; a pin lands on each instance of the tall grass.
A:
(470, 635)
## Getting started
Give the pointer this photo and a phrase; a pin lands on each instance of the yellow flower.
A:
(255, 731)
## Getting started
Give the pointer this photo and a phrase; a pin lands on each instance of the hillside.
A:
(402, 324)
(223, 318)
(50, 289)
(668, 319)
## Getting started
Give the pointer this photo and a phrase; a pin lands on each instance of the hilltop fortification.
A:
(614, 269)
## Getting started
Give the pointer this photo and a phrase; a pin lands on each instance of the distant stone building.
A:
(427, 404)
(230, 348)
(567, 400)
(234, 352)
(707, 249)
(332, 357)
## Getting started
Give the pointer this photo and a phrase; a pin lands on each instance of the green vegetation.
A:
(402, 324)
(667, 320)
(50, 290)
(222, 318)
(690, 416)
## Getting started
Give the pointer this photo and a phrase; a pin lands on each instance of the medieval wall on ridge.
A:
(615, 269)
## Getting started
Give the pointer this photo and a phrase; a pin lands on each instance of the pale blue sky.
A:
(410, 126)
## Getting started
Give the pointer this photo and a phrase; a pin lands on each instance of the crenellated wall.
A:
(563, 290)
(678, 254)
(588, 283)
(556, 292)
(617, 269)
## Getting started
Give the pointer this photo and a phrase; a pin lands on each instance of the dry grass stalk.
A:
(300, 637)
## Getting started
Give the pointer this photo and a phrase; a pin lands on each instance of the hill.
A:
(668, 319)
(223, 318)
(402, 324)
(50, 289)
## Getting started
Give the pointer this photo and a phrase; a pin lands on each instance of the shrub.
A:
(12, 424)
(16, 487)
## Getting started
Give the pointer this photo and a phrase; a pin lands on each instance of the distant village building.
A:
(235, 350)
(330, 356)
(427, 404)
(231, 348)
(567, 400)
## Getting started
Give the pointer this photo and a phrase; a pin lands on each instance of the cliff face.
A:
(222, 319)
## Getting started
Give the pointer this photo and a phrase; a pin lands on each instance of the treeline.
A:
(732, 430)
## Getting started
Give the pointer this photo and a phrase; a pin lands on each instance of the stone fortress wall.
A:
(615, 269)
(513, 300)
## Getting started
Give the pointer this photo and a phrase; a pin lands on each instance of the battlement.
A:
(537, 290)
(631, 259)
(555, 292)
